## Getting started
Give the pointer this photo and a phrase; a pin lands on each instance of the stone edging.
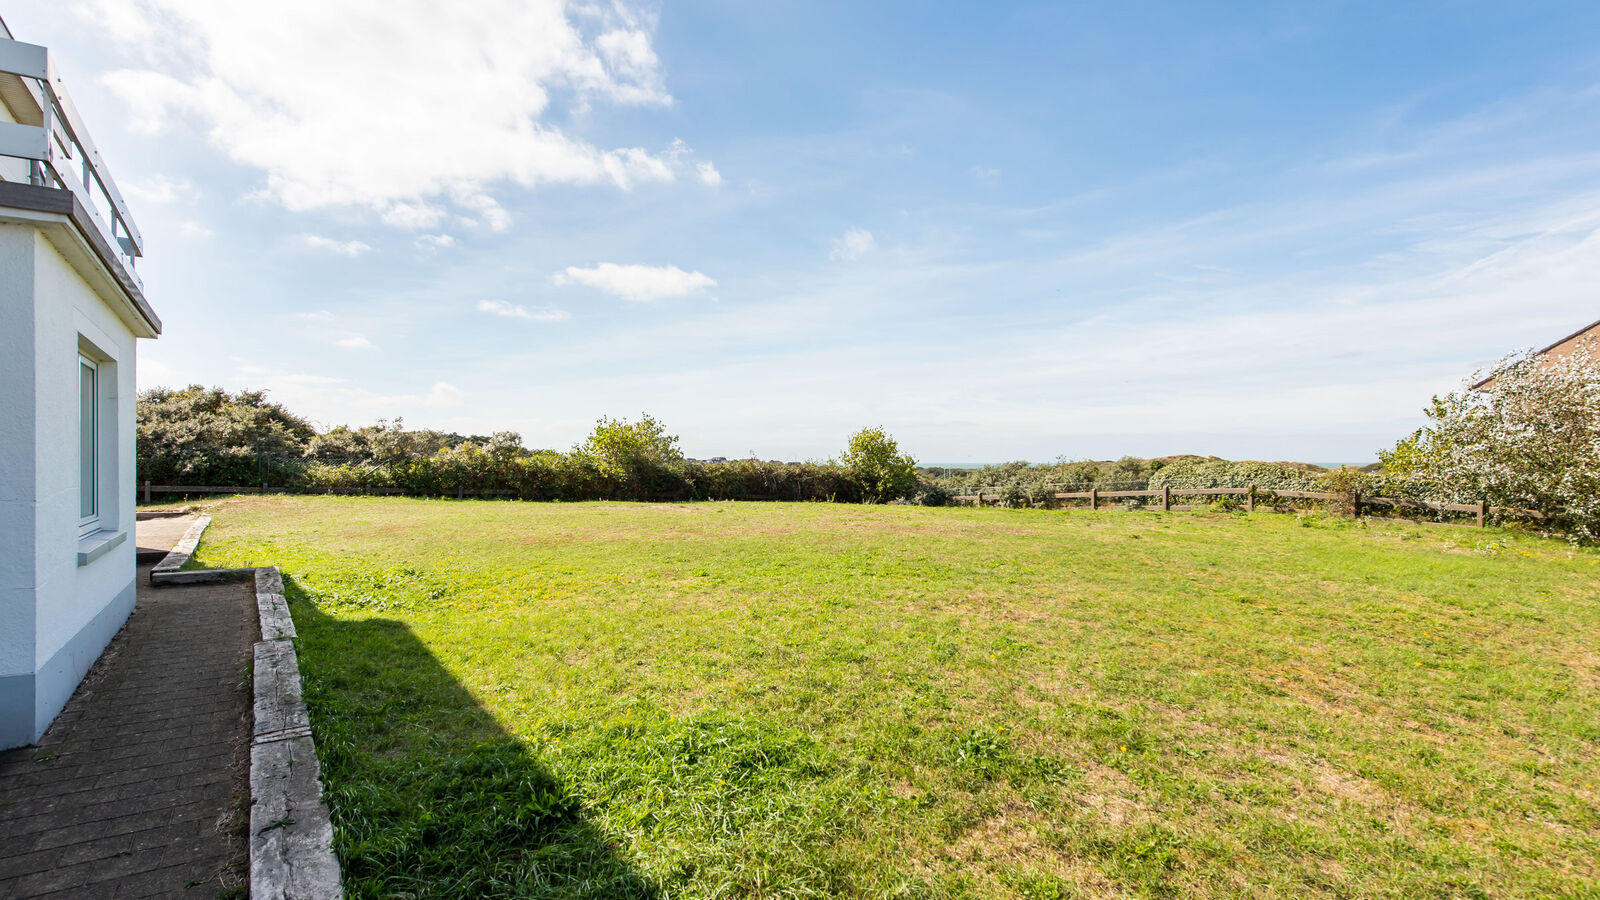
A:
(166, 571)
(291, 836)
(180, 552)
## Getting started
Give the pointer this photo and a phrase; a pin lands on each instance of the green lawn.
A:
(765, 700)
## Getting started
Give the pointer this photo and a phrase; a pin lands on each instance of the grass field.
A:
(773, 700)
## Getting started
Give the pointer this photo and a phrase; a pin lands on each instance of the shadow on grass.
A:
(429, 796)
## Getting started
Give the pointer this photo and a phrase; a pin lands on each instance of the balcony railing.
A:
(59, 151)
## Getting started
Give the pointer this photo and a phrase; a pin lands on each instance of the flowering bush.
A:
(1530, 439)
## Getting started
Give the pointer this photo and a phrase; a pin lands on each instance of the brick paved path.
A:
(140, 788)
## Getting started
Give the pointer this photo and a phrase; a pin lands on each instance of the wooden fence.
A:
(1357, 501)
(1480, 510)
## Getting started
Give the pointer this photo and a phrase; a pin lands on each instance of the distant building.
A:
(71, 309)
(1559, 350)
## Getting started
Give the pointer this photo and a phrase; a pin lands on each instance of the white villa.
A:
(71, 310)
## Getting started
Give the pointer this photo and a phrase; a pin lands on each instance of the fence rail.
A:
(1481, 510)
(194, 489)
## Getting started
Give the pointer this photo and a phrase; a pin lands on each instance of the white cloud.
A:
(853, 244)
(518, 311)
(343, 248)
(628, 54)
(393, 105)
(709, 175)
(192, 229)
(489, 210)
(435, 241)
(354, 342)
(637, 283)
(330, 400)
(413, 216)
(320, 315)
(159, 189)
(984, 173)
(445, 394)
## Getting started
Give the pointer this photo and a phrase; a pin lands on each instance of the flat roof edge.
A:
(61, 201)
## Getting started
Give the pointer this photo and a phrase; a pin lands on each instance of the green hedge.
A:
(470, 469)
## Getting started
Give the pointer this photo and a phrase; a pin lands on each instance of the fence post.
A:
(1483, 512)
(1094, 498)
(147, 492)
(1355, 504)
(980, 500)
(1166, 498)
(1250, 497)
(261, 466)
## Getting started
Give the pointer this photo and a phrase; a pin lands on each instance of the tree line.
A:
(1528, 438)
(209, 436)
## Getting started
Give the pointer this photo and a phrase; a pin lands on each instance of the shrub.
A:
(389, 442)
(1026, 484)
(878, 467)
(638, 460)
(930, 493)
(201, 435)
(1530, 440)
(1219, 473)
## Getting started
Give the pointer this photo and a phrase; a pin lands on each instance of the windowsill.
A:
(96, 544)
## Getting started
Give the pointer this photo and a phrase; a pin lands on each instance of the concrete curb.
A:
(143, 514)
(180, 553)
(200, 576)
(166, 571)
(291, 836)
(276, 623)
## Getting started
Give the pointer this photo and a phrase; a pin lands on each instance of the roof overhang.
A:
(62, 218)
(1573, 336)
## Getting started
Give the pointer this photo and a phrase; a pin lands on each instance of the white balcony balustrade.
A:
(50, 136)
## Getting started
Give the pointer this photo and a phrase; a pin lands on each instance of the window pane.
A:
(86, 442)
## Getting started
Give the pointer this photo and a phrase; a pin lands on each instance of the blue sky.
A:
(1001, 231)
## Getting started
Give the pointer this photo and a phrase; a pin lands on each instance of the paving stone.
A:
(124, 794)
(55, 878)
(65, 837)
(172, 881)
(161, 533)
(60, 895)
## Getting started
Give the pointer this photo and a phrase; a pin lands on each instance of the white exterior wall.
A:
(68, 311)
(76, 607)
(17, 507)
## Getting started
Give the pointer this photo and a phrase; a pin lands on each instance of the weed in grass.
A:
(981, 751)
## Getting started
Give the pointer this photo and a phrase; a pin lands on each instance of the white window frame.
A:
(88, 524)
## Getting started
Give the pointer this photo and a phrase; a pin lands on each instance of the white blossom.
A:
(1530, 439)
